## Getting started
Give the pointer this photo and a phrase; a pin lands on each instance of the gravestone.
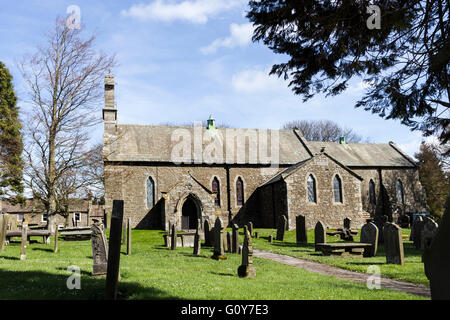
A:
(320, 235)
(24, 243)
(197, 242)
(250, 228)
(256, 235)
(115, 235)
(301, 230)
(229, 242)
(416, 232)
(369, 234)
(246, 269)
(429, 231)
(282, 224)
(393, 244)
(55, 248)
(380, 221)
(347, 223)
(207, 232)
(224, 240)
(235, 239)
(271, 239)
(173, 238)
(99, 250)
(2, 232)
(219, 253)
(124, 233)
(129, 237)
(437, 259)
(404, 221)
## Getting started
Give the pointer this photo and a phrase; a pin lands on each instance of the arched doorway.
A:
(190, 214)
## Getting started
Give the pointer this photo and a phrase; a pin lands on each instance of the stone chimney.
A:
(109, 111)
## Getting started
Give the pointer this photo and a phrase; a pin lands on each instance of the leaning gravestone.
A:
(429, 231)
(99, 250)
(282, 224)
(320, 235)
(369, 234)
(347, 223)
(437, 259)
(173, 238)
(219, 253)
(207, 232)
(393, 244)
(235, 239)
(302, 232)
(246, 269)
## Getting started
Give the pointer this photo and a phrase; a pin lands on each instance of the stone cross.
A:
(129, 237)
(369, 234)
(320, 235)
(235, 239)
(437, 259)
(207, 232)
(219, 253)
(24, 243)
(55, 248)
(99, 250)
(112, 276)
(282, 224)
(301, 231)
(393, 244)
(173, 238)
(197, 242)
(246, 270)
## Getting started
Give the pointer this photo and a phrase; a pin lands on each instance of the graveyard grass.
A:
(154, 272)
(412, 271)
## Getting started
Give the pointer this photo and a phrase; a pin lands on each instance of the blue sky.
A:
(182, 60)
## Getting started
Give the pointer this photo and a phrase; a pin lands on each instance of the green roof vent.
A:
(211, 123)
(342, 140)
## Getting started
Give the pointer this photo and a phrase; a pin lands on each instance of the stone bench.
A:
(45, 234)
(339, 248)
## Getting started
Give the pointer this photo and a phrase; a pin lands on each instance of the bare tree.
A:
(323, 130)
(65, 84)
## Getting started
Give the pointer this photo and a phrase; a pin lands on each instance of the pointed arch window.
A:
(240, 192)
(311, 184)
(400, 193)
(150, 192)
(372, 195)
(216, 190)
(337, 187)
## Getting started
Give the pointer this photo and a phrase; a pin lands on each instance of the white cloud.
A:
(251, 81)
(195, 11)
(240, 36)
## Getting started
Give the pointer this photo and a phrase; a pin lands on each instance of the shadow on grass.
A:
(366, 263)
(223, 274)
(10, 258)
(42, 249)
(38, 285)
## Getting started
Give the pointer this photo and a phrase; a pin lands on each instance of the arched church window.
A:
(337, 188)
(216, 190)
(240, 192)
(150, 192)
(400, 193)
(311, 184)
(372, 195)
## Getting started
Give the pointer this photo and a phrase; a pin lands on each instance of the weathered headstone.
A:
(347, 223)
(437, 259)
(369, 234)
(229, 242)
(129, 237)
(173, 238)
(404, 221)
(380, 221)
(24, 243)
(246, 269)
(115, 234)
(250, 228)
(55, 248)
(393, 244)
(207, 232)
(429, 231)
(219, 253)
(124, 233)
(256, 235)
(197, 242)
(320, 235)
(301, 230)
(235, 239)
(282, 224)
(224, 240)
(99, 250)
(271, 239)
(2, 232)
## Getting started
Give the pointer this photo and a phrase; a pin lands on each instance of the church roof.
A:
(138, 143)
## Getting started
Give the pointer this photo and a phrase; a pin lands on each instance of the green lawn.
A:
(155, 272)
(412, 271)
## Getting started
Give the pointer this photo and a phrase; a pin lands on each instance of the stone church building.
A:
(185, 175)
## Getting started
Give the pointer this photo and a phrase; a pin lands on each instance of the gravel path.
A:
(411, 288)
